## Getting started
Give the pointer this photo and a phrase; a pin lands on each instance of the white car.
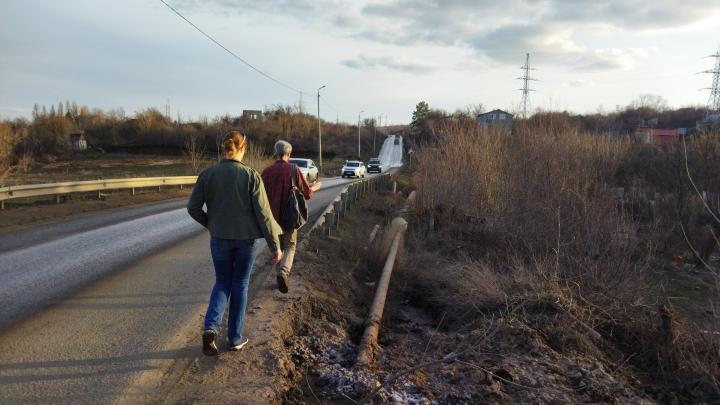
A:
(307, 168)
(353, 168)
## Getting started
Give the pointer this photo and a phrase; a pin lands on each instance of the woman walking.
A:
(238, 212)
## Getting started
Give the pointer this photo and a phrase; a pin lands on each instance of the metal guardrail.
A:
(68, 187)
(350, 194)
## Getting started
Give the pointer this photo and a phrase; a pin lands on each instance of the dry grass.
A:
(527, 221)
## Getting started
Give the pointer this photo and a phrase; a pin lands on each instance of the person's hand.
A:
(277, 256)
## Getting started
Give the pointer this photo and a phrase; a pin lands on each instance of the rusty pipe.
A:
(372, 326)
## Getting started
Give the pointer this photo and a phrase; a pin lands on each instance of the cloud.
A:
(578, 83)
(499, 31)
(635, 14)
(296, 8)
(610, 59)
(363, 62)
(552, 45)
(14, 109)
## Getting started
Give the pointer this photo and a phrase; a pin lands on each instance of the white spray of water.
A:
(390, 154)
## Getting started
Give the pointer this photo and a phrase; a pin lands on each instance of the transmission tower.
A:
(526, 86)
(713, 105)
(301, 105)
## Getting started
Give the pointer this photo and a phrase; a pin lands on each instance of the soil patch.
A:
(529, 353)
(94, 166)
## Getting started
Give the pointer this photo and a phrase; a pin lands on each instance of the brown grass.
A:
(527, 220)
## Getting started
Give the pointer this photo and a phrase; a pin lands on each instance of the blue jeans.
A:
(233, 260)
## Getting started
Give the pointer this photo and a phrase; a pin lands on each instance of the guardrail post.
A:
(333, 220)
(57, 198)
(158, 189)
(328, 222)
(344, 201)
(394, 187)
(132, 191)
(337, 207)
(2, 205)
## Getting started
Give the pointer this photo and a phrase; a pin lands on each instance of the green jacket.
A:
(237, 205)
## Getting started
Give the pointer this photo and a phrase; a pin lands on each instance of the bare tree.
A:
(194, 151)
(651, 101)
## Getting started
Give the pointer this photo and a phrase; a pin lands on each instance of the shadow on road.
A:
(120, 362)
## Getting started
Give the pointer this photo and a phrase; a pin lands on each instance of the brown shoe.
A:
(209, 346)
(282, 282)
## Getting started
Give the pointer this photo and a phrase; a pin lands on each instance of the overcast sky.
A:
(379, 56)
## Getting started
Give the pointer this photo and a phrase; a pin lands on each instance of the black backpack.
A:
(295, 212)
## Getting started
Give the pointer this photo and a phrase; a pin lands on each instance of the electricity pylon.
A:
(713, 105)
(526, 86)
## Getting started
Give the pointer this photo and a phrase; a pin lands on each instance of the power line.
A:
(328, 104)
(208, 36)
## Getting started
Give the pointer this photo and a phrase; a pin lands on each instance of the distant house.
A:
(657, 136)
(78, 142)
(252, 114)
(496, 119)
(711, 122)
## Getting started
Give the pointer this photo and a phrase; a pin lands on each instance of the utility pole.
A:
(319, 129)
(713, 105)
(361, 111)
(526, 87)
(301, 105)
(375, 135)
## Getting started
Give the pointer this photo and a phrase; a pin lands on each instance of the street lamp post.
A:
(374, 136)
(380, 117)
(362, 111)
(319, 130)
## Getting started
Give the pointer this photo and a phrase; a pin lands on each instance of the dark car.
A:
(374, 165)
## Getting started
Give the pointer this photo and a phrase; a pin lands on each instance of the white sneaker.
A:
(239, 345)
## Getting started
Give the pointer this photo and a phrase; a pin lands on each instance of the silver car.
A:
(307, 167)
(353, 168)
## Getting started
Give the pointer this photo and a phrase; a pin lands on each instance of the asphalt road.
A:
(145, 280)
(45, 263)
(89, 306)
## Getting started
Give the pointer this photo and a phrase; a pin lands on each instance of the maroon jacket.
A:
(278, 185)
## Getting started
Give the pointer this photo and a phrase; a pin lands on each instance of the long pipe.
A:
(369, 339)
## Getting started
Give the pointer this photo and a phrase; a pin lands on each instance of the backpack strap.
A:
(293, 175)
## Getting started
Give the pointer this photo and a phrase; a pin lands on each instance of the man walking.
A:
(279, 185)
